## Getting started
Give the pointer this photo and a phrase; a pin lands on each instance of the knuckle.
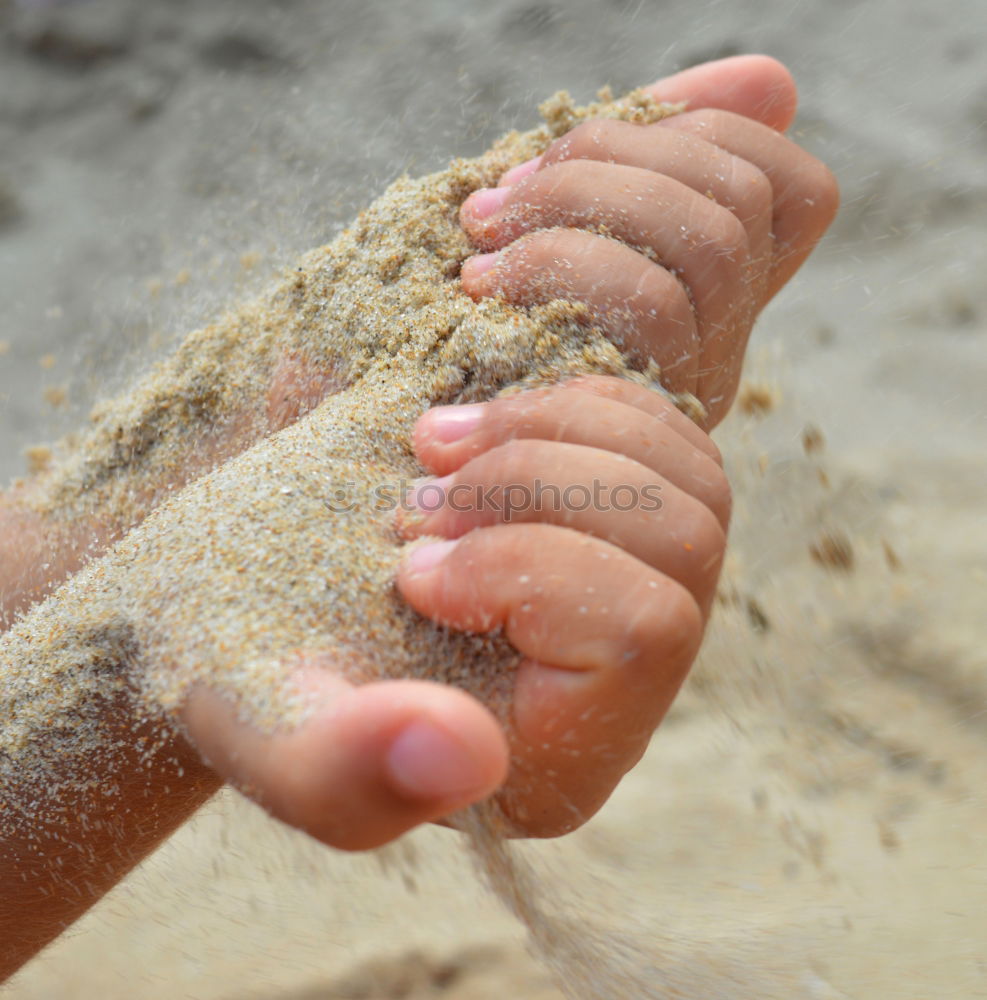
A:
(706, 535)
(608, 386)
(666, 630)
(712, 489)
(710, 448)
(706, 122)
(301, 800)
(343, 839)
(752, 191)
(659, 303)
(540, 264)
(521, 411)
(814, 193)
(463, 591)
(504, 548)
(723, 254)
(733, 242)
(828, 191)
(717, 119)
(716, 494)
(559, 182)
(590, 140)
(723, 492)
(544, 247)
(507, 461)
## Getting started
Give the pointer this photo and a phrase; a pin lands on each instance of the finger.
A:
(369, 763)
(460, 421)
(688, 234)
(651, 402)
(586, 489)
(640, 306)
(806, 195)
(604, 660)
(565, 414)
(755, 86)
(739, 186)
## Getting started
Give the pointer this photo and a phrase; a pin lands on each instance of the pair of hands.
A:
(714, 210)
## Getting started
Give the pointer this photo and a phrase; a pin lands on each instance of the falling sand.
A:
(291, 545)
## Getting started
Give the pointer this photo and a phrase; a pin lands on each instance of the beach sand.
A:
(816, 797)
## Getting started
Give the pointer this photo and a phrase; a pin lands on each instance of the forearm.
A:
(64, 844)
(58, 856)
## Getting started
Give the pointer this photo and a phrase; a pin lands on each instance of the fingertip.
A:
(424, 559)
(420, 750)
(450, 424)
(482, 204)
(446, 437)
(779, 92)
(756, 86)
(441, 579)
(475, 274)
(521, 171)
(453, 755)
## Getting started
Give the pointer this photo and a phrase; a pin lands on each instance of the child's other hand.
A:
(605, 593)
(387, 756)
(721, 206)
(587, 521)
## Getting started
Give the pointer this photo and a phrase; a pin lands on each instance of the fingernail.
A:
(519, 172)
(428, 495)
(425, 762)
(479, 265)
(486, 201)
(446, 424)
(424, 558)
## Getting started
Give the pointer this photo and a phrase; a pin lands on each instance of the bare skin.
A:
(723, 208)
(608, 607)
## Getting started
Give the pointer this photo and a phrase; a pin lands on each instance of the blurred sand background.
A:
(817, 798)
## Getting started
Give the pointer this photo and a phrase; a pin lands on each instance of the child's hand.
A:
(608, 605)
(722, 208)
(389, 755)
(589, 522)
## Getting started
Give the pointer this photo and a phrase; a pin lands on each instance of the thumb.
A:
(757, 87)
(369, 762)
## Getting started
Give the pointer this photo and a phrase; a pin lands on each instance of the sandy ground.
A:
(817, 798)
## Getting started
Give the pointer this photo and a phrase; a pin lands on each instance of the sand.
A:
(818, 789)
(229, 577)
(226, 580)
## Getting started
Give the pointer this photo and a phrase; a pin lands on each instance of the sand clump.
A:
(290, 545)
